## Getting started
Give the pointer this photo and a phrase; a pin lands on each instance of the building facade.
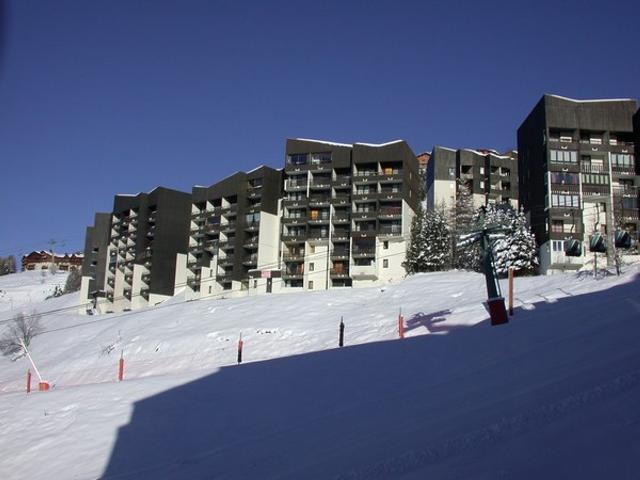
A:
(578, 174)
(233, 236)
(490, 176)
(147, 232)
(41, 260)
(346, 213)
(94, 267)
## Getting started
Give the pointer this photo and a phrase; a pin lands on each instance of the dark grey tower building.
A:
(578, 173)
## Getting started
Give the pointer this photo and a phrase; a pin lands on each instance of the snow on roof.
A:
(592, 100)
(325, 142)
(55, 254)
(379, 144)
(487, 151)
(445, 148)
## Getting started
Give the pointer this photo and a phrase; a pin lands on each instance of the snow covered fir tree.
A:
(518, 248)
(430, 245)
(463, 221)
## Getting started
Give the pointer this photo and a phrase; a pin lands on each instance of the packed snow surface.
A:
(552, 394)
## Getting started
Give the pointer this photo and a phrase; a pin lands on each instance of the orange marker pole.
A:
(121, 368)
(400, 324)
(28, 381)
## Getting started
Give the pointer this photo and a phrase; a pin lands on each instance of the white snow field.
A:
(555, 393)
(20, 290)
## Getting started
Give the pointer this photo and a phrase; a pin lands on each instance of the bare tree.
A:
(19, 334)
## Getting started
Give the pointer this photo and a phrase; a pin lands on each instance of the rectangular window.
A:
(563, 156)
(310, 284)
(565, 201)
(563, 178)
(452, 172)
(385, 245)
(385, 263)
(255, 284)
(311, 267)
(557, 226)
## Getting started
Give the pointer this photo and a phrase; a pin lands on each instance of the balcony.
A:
(321, 184)
(251, 260)
(292, 275)
(297, 220)
(294, 186)
(339, 273)
(364, 272)
(299, 202)
(319, 220)
(394, 177)
(252, 227)
(322, 235)
(564, 188)
(363, 252)
(595, 190)
(390, 212)
(589, 168)
(293, 257)
(632, 214)
(319, 201)
(341, 200)
(340, 254)
(365, 179)
(390, 230)
(339, 235)
(294, 238)
(226, 261)
(368, 215)
(624, 169)
(341, 181)
(228, 227)
(625, 191)
(251, 242)
(390, 194)
(341, 218)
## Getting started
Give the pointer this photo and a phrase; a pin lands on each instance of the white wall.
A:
(319, 259)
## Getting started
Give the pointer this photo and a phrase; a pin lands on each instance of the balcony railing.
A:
(587, 168)
(595, 190)
(625, 190)
(390, 211)
(625, 169)
(391, 229)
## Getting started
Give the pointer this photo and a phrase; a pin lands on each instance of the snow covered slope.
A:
(552, 394)
(20, 291)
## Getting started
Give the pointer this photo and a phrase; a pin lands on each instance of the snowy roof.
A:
(445, 148)
(488, 151)
(55, 254)
(325, 142)
(350, 145)
(593, 100)
(379, 144)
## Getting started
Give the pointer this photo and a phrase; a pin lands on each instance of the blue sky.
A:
(99, 98)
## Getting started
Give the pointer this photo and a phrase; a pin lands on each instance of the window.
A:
(209, 288)
(385, 245)
(385, 263)
(481, 184)
(622, 160)
(557, 226)
(557, 245)
(297, 159)
(562, 178)
(565, 201)
(311, 267)
(563, 156)
(481, 170)
(310, 284)
(595, 179)
(255, 284)
(452, 172)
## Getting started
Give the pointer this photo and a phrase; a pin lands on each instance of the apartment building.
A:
(234, 236)
(490, 176)
(578, 174)
(147, 231)
(346, 212)
(94, 267)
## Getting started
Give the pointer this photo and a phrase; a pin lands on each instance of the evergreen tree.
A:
(74, 281)
(413, 261)
(463, 222)
(436, 255)
(518, 249)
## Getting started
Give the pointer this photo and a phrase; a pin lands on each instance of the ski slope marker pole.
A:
(341, 338)
(511, 274)
(29, 381)
(42, 384)
(400, 324)
(121, 367)
(240, 345)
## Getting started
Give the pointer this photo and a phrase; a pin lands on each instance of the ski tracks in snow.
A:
(499, 431)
